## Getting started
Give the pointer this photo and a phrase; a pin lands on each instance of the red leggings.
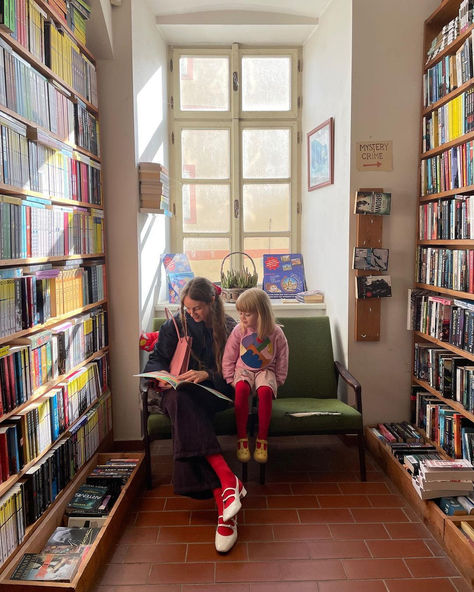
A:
(265, 398)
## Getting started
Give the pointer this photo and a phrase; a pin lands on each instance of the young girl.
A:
(255, 359)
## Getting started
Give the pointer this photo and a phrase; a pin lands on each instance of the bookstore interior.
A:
(63, 497)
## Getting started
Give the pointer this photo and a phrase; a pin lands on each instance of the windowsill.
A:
(280, 308)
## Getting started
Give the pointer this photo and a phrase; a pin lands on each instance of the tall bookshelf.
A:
(441, 303)
(55, 402)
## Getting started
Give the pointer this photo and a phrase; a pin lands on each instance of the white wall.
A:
(325, 216)
(133, 127)
(387, 63)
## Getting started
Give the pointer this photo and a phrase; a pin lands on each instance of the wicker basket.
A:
(231, 294)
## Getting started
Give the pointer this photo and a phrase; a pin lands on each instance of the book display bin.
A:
(97, 555)
(441, 303)
(55, 402)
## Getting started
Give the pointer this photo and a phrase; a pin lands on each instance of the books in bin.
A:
(372, 203)
(444, 478)
(373, 286)
(46, 567)
(89, 500)
(195, 387)
(66, 539)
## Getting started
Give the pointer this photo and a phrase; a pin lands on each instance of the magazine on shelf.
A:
(177, 384)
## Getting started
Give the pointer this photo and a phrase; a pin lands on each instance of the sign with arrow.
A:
(374, 156)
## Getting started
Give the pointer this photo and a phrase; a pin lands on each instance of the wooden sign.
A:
(374, 156)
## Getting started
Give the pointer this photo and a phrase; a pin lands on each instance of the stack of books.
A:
(310, 296)
(154, 186)
(444, 478)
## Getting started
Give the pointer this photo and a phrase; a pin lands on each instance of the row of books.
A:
(450, 121)
(34, 227)
(78, 12)
(444, 477)
(450, 219)
(449, 374)
(448, 74)
(446, 319)
(32, 362)
(447, 35)
(453, 169)
(32, 300)
(461, 505)
(446, 268)
(444, 425)
(46, 165)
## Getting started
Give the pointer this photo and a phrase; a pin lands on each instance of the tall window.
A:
(235, 120)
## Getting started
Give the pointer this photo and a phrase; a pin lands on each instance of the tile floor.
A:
(314, 527)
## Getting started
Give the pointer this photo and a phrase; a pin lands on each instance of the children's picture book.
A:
(373, 286)
(47, 567)
(283, 275)
(372, 203)
(177, 384)
(370, 259)
(178, 273)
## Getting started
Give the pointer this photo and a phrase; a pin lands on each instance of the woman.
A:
(199, 469)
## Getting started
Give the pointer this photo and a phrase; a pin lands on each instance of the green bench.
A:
(311, 386)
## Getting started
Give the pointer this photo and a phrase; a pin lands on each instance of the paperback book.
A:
(373, 286)
(177, 384)
(66, 540)
(372, 203)
(370, 259)
(47, 567)
(89, 500)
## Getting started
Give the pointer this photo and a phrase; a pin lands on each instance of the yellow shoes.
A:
(260, 454)
(243, 452)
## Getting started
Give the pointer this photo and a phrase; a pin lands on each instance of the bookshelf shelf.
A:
(447, 291)
(443, 527)
(443, 194)
(18, 191)
(445, 345)
(447, 145)
(462, 243)
(454, 404)
(39, 260)
(452, 95)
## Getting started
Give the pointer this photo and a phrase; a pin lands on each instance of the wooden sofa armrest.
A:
(347, 377)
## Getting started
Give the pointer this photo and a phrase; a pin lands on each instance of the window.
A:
(235, 122)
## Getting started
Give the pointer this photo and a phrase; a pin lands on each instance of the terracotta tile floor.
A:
(314, 527)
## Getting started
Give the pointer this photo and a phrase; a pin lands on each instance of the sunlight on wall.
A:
(150, 117)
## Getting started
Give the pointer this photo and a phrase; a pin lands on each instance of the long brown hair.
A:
(202, 290)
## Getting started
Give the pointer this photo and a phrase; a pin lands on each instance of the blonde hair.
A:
(256, 300)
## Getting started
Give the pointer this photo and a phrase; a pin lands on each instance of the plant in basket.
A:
(236, 281)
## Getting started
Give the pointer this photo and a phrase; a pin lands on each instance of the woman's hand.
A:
(194, 376)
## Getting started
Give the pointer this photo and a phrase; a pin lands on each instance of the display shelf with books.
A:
(108, 528)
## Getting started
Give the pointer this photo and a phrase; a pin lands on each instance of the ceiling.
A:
(262, 22)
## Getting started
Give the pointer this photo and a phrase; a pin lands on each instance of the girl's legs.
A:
(265, 399)
(242, 393)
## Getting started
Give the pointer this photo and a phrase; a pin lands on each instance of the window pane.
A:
(257, 246)
(199, 201)
(266, 83)
(266, 153)
(266, 208)
(205, 255)
(204, 83)
(205, 154)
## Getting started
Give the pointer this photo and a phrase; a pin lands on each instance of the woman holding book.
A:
(199, 469)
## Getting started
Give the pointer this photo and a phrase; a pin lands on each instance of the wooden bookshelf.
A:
(54, 124)
(101, 548)
(444, 528)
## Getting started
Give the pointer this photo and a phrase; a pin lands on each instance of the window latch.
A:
(236, 208)
(235, 81)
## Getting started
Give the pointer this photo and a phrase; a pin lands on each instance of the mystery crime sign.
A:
(374, 156)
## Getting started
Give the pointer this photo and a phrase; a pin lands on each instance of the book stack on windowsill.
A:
(443, 478)
(313, 296)
(154, 186)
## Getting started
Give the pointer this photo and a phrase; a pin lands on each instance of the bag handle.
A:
(169, 316)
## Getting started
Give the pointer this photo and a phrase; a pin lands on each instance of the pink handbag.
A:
(180, 360)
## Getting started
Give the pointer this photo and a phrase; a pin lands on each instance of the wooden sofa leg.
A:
(363, 474)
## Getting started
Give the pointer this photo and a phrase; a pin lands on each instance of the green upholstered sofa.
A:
(311, 386)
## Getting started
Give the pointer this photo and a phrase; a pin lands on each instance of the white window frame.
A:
(235, 120)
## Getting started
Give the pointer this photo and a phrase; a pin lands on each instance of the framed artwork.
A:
(321, 155)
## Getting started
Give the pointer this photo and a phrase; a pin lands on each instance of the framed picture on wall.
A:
(321, 155)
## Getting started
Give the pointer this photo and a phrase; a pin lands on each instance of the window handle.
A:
(235, 81)
(236, 208)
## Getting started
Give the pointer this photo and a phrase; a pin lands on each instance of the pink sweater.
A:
(244, 350)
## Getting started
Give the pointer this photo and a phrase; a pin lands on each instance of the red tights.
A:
(265, 399)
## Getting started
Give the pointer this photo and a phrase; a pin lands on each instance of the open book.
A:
(177, 384)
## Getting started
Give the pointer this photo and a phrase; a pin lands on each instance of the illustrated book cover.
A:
(370, 259)
(373, 286)
(372, 203)
(283, 275)
(178, 273)
(47, 567)
(88, 499)
(177, 384)
(66, 539)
